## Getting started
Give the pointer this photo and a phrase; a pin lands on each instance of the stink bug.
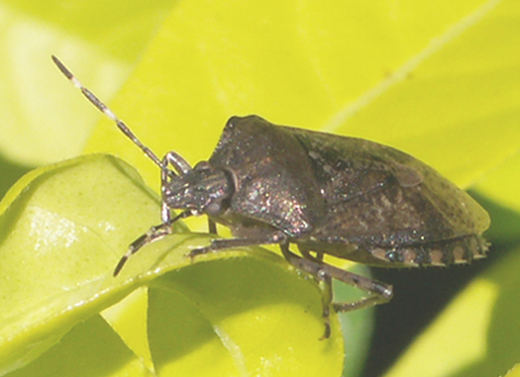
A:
(327, 194)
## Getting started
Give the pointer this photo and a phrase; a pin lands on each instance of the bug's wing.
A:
(377, 195)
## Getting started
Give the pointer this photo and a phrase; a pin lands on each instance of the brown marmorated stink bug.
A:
(328, 194)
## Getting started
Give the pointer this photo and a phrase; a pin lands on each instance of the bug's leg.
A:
(324, 281)
(229, 243)
(380, 292)
(212, 227)
(154, 233)
(177, 161)
(318, 257)
(307, 254)
(159, 231)
(170, 158)
(325, 285)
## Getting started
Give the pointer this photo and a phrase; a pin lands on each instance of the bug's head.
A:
(204, 189)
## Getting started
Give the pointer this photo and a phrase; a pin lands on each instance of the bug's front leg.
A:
(155, 233)
(181, 167)
(380, 292)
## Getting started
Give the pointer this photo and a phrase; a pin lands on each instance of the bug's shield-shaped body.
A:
(348, 197)
(328, 194)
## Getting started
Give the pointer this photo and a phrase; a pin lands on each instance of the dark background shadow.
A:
(420, 294)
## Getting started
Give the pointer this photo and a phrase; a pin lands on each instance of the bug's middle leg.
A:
(379, 291)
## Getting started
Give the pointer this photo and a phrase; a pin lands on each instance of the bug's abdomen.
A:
(459, 250)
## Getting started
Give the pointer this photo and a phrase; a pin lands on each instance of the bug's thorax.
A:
(204, 189)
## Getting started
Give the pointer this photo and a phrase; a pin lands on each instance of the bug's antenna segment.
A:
(105, 110)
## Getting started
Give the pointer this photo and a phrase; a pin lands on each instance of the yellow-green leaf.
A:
(514, 372)
(63, 234)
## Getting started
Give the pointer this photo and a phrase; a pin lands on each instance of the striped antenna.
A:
(105, 110)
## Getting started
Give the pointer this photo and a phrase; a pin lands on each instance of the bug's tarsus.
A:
(120, 265)
(105, 110)
(155, 233)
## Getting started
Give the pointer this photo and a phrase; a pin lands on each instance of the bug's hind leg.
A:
(379, 292)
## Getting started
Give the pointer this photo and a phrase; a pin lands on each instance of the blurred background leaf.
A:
(39, 124)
